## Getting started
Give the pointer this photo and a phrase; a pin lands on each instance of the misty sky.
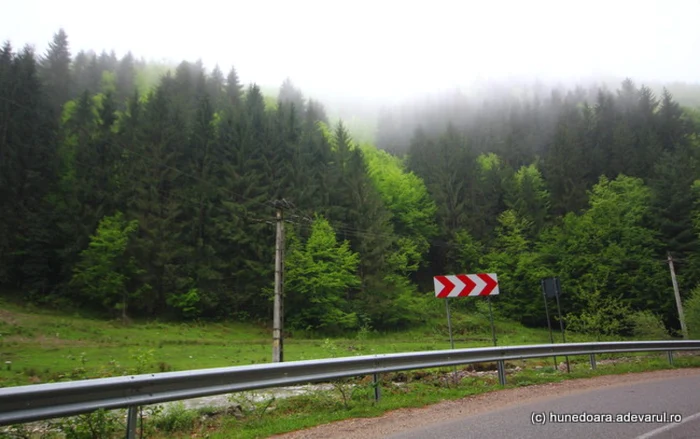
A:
(381, 48)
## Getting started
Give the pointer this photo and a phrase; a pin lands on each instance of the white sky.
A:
(381, 48)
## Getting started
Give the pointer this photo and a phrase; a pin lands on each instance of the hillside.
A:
(134, 199)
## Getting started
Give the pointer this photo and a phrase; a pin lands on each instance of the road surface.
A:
(508, 413)
(553, 417)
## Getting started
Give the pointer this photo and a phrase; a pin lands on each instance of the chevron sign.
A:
(463, 285)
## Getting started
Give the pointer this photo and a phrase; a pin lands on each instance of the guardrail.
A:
(45, 401)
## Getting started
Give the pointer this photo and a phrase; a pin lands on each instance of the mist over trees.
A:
(138, 191)
(591, 185)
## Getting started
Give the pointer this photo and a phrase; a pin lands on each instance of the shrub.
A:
(692, 313)
(648, 326)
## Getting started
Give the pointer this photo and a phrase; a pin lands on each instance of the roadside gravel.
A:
(407, 419)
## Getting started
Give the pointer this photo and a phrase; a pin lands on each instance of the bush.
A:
(692, 313)
(178, 418)
(603, 316)
(96, 425)
(648, 326)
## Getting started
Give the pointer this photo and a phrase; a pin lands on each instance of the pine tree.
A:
(216, 84)
(672, 126)
(55, 69)
(529, 198)
(291, 96)
(93, 75)
(155, 204)
(199, 197)
(125, 79)
(362, 218)
(107, 61)
(565, 166)
(8, 161)
(234, 89)
(27, 174)
(79, 70)
(315, 112)
(243, 244)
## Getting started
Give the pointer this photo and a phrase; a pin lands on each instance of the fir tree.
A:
(56, 71)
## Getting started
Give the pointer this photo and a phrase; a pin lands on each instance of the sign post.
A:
(499, 364)
(469, 285)
(561, 321)
(493, 327)
(449, 322)
(545, 295)
(552, 288)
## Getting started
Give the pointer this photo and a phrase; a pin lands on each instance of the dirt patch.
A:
(408, 419)
(8, 317)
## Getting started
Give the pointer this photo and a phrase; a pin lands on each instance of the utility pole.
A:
(679, 304)
(278, 314)
(278, 311)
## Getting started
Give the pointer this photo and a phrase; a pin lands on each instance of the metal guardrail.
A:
(45, 401)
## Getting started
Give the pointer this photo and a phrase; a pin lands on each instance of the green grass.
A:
(45, 346)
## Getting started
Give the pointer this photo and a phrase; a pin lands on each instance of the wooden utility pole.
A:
(679, 304)
(278, 315)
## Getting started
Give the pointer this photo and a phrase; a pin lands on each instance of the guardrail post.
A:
(131, 422)
(377, 388)
(593, 365)
(670, 357)
(501, 373)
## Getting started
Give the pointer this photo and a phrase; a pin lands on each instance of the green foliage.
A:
(529, 197)
(103, 270)
(691, 310)
(187, 303)
(143, 358)
(176, 419)
(149, 75)
(648, 326)
(406, 196)
(489, 162)
(519, 269)
(609, 247)
(319, 275)
(96, 425)
(603, 316)
(467, 254)
(108, 83)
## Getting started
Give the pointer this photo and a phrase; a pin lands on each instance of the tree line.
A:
(593, 186)
(141, 194)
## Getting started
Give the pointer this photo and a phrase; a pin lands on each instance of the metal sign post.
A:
(499, 364)
(549, 322)
(449, 322)
(452, 340)
(493, 327)
(561, 321)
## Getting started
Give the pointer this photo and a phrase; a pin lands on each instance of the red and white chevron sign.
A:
(463, 285)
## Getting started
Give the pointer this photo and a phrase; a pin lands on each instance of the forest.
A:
(135, 190)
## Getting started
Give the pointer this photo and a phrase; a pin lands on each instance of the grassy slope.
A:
(48, 346)
(45, 346)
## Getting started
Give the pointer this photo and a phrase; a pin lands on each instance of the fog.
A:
(382, 50)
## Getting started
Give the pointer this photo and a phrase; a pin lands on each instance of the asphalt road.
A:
(678, 396)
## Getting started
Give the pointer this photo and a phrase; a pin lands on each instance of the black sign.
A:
(551, 287)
